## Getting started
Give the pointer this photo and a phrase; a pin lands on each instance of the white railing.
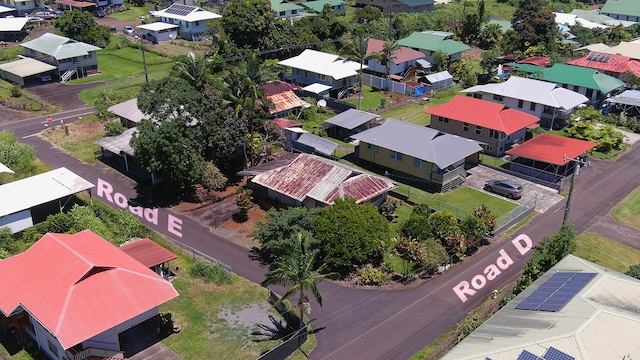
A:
(70, 72)
(102, 353)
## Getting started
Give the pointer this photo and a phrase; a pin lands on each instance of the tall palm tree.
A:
(356, 50)
(387, 55)
(296, 269)
(192, 68)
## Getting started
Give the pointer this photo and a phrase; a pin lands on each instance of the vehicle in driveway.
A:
(44, 77)
(508, 188)
(128, 30)
(99, 13)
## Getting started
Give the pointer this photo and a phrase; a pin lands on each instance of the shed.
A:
(350, 122)
(12, 28)
(118, 145)
(440, 80)
(17, 71)
(310, 143)
(158, 32)
(317, 88)
(151, 255)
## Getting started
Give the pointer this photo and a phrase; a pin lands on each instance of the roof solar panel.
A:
(177, 9)
(556, 292)
(555, 354)
(525, 355)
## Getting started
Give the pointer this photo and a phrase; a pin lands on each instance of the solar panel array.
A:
(556, 292)
(555, 354)
(599, 57)
(177, 9)
(525, 355)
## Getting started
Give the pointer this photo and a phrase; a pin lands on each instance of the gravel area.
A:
(257, 318)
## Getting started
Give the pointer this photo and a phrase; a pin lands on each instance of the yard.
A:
(132, 12)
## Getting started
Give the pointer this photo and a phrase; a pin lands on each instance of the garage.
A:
(20, 71)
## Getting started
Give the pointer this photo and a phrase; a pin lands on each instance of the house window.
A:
(589, 93)
(52, 348)
(88, 56)
(420, 164)
(487, 147)
(298, 72)
(477, 96)
(321, 77)
(282, 13)
(443, 119)
(498, 97)
(478, 130)
(306, 73)
(372, 147)
(394, 155)
(465, 127)
(532, 107)
(520, 104)
(197, 23)
(294, 12)
(494, 134)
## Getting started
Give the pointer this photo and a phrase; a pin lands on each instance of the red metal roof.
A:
(484, 113)
(287, 123)
(536, 60)
(277, 87)
(285, 101)
(148, 253)
(402, 55)
(617, 64)
(552, 148)
(323, 180)
(78, 286)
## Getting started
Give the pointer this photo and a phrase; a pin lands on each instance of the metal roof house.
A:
(403, 59)
(548, 101)
(76, 293)
(398, 6)
(12, 29)
(610, 64)
(192, 20)
(622, 10)
(596, 86)
(350, 122)
(70, 57)
(428, 43)
(284, 9)
(317, 67)
(286, 103)
(495, 125)
(312, 181)
(595, 315)
(21, 196)
(128, 112)
(317, 6)
(434, 159)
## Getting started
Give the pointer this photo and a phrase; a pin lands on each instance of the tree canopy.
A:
(80, 26)
(534, 24)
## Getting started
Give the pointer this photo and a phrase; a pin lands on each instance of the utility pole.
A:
(144, 61)
(576, 172)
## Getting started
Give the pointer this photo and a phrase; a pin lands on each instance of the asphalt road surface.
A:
(367, 323)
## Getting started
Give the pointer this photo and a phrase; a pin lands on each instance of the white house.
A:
(158, 32)
(192, 20)
(403, 59)
(23, 6)
(74, 294)
(550, 102)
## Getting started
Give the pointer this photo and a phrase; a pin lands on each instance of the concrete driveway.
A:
(547, 197)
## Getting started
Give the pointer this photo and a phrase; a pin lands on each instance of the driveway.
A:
(547, 197)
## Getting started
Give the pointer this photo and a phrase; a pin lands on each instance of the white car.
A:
(128, 30)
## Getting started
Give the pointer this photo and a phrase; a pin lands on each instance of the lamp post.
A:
(576, 172)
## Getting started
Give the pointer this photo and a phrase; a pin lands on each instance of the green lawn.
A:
(627, 211)
(606, 252)
(499, 9)
(413, 113)
(133, 13)
(371, 99)
(24, 101)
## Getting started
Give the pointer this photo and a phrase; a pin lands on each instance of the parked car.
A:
(508, 188)
(35, 19)
(112, 29)
(44, 77)
(46, 15)
(128, 30)
(99, 13)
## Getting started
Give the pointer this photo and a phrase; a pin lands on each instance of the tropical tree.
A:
(440, 60)
(534, 24)
(192, 68)
(356, 50)
(80, 26)
(387, 55)
(297, 269)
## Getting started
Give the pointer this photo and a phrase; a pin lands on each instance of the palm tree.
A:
(192, 68)
(387, 55)
(296, 269)
(356, 50)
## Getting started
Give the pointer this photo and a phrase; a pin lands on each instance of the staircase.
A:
(70, 72)
(95, 354)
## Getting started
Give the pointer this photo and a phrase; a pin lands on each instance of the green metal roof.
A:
(318, 5)
(504, 24)
(580, 76)
(431, 42)
(59, 47)
(280, 5)
(416, 3)
(622, 7)
(528, 68)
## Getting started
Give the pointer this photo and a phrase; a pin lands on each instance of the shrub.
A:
(210, 272)
(213, 179)
(16, 91)
(388, 208)
(243, 202)
(114, 128)
(370, 276)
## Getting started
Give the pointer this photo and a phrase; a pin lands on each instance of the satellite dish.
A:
(172, 35)
(322, 103)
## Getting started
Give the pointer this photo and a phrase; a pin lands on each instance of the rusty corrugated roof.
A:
(322, 180)
(285, 101)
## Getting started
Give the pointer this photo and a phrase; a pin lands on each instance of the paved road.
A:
(378, 324)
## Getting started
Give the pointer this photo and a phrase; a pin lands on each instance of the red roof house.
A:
(404, 58)
(552, 149)
(542, 61)
(79, 291)
(150, 254)
(494, 124)
(286, 103)
(277, 87)
(610, 64)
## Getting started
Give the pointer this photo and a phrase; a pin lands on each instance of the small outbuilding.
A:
(312, 144)
(20, 71)
(158, 32)
(440, 80)
(151, 255)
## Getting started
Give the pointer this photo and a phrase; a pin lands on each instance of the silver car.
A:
(508, 188)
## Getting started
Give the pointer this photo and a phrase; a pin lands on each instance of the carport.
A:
(546, 157)
(17, 71)
(627, 101)
(118, 145)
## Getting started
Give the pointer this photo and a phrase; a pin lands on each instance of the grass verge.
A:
(80, 138)
(628, 210)
(133, 13)
(606, 252)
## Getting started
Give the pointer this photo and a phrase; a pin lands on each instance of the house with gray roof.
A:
(350, 122)
(436, 160)
(550, 102)
(576, 310)
(399, 6)
(128, 112)
(70, 57)
(622, 10)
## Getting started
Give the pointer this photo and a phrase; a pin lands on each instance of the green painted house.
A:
(622, 9)
(430, 43)
(588, 82)
(337, 6)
